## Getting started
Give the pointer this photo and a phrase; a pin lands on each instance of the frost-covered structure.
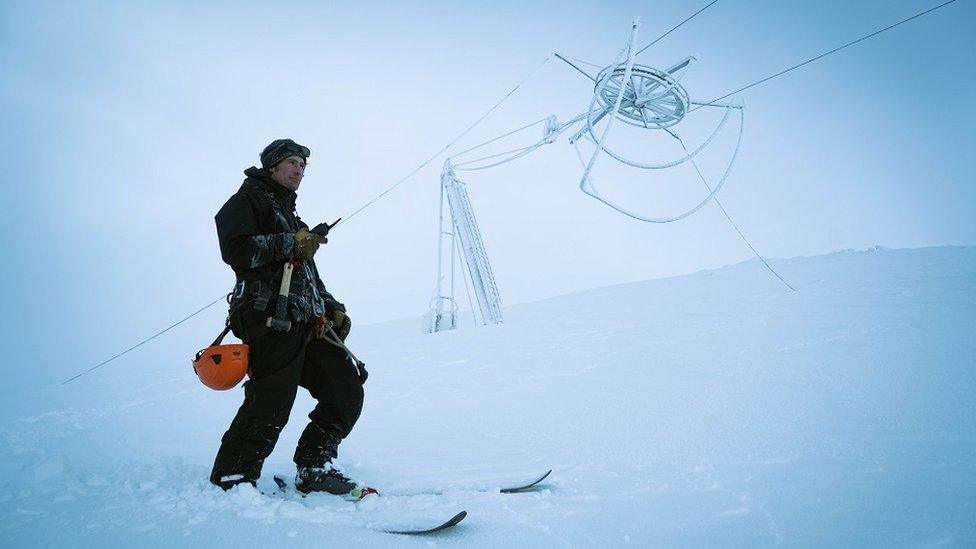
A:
(640, 95)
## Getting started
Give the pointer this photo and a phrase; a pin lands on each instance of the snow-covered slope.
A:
(716, 409)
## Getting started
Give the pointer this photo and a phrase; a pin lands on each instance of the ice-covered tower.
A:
(464, 232)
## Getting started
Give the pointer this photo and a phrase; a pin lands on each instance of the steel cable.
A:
(381, 195)
(676, 27)
(449, 145)
(821, 56)
(147, 340)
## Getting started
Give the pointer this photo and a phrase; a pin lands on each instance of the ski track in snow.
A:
(714, 409)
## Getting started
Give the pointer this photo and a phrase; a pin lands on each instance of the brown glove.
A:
(307, 243)
(341, 323)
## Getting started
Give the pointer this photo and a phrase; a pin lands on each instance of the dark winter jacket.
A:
(256, 228)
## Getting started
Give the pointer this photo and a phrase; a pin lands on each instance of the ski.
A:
(283, 484)
(525, 487)
(512, 488)
(285, 488)
(453, 521)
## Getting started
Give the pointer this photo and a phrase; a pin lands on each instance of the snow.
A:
(715, 409)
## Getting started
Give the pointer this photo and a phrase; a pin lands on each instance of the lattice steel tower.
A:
(461, 229)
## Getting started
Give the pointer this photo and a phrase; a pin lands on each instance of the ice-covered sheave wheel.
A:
(652, 98)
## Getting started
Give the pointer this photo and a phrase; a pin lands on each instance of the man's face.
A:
(289, 172)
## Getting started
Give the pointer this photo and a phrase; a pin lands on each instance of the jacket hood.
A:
(264, 177)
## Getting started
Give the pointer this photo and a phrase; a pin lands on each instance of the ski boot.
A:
(330, 480)
(228, 481)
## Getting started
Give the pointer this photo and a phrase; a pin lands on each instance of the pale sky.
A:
(125, 127)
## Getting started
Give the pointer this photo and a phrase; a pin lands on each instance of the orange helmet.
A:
(222, 367)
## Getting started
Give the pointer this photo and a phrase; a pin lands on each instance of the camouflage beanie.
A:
(280, 149)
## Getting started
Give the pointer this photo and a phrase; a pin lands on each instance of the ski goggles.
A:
(294, 148)
(281, 149)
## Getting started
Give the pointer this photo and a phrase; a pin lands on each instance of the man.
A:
(259, 234)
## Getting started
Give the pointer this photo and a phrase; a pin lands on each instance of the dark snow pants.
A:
(280, 362)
